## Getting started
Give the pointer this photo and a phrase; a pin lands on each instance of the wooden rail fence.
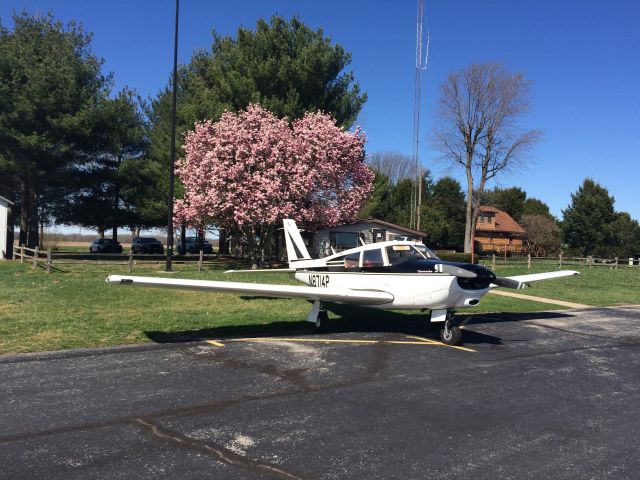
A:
(559, 261)
(49, 259)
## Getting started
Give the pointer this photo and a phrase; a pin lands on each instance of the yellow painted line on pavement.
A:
(419, 341)
(434, 342)
(213, 342)
(310, 340)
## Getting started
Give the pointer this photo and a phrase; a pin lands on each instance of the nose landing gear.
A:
(450, 333)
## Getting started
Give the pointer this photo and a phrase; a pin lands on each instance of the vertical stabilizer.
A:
(296, 250)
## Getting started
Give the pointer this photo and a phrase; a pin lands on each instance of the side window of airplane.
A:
(402, 253)
(352, 261)
(372, 258)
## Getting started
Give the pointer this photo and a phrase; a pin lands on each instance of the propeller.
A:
(455, 271)
(508, 283)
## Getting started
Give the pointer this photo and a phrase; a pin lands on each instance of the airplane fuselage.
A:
(410, 290)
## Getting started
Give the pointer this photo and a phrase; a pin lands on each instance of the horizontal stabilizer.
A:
(346, 295)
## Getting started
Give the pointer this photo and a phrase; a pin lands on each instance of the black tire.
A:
(451, 335)
(322, 321)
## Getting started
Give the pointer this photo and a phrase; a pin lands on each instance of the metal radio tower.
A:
(420, 67)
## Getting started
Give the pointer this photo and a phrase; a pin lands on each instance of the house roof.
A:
(382, 223)
(503, 222)
(5, 201)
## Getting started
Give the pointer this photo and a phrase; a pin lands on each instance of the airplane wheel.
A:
(451, 335)
(321, 321)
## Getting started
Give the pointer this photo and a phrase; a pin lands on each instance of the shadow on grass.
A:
(350, 319)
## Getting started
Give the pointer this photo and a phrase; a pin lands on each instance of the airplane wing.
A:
(339, 295)
(520, 281)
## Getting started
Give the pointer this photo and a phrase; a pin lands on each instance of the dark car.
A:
(105, 245)
(193, 246)
(147, 245)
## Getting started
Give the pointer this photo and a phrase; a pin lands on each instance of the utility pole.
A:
(172, 160)
(420, 67)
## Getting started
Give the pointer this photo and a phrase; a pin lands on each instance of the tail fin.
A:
(296, 249)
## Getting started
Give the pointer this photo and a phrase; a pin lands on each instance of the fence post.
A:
(631, 261)
(590, 261)
(529, 262)
(14, 252)
(49, 260)
(493, 262)
(200, 261)
(616, 267)
(21, 254)
(560, 260)
(130, 260)
(35, 257)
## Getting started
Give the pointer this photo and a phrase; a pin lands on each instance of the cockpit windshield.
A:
(402, 253)
(425, 251)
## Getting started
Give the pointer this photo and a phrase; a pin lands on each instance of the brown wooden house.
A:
(497, 232)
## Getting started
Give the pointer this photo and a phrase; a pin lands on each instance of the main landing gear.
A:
(318, 316)
(450, 333)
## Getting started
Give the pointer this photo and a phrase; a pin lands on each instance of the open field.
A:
(76, 308)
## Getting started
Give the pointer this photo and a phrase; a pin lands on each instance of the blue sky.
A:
(583, 58)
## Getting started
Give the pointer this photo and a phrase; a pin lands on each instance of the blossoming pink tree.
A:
(250, 170)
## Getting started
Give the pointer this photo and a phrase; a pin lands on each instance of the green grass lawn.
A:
(77, 308)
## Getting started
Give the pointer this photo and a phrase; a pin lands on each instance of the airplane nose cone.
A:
(484, 278)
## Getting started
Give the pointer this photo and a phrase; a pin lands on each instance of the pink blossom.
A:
(252, 168)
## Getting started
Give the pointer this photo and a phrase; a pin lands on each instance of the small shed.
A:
(6, 229)
(370, 230)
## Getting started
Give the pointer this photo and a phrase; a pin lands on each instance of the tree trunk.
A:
(116, 203)
(24, 212)
(32, 237)
(469, 217)
(223, 243)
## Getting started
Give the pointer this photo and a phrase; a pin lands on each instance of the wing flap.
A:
(357, 297)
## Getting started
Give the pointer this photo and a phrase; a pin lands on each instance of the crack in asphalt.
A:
(374, 372)
(294, 376)
(219, 452)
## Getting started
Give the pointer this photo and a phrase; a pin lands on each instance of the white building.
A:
(5, 237)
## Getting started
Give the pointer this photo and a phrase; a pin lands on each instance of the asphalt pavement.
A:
(530, 396)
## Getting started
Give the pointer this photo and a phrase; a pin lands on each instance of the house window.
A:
(379, 235)
(343, 240)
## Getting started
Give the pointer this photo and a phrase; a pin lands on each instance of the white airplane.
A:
(392, 275)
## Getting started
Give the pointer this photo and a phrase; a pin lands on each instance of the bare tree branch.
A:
(395, 166)
(479, 110)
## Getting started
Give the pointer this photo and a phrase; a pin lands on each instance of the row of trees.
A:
(73, 151)
(589, 226)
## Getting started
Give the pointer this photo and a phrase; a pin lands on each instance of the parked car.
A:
(147, 245)
(192, 246)
(105, 245)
